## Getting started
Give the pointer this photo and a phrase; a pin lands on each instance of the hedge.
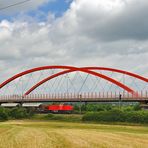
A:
(116, 115)
(15, 113)
(3, 114)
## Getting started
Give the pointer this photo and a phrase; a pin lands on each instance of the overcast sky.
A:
(109, 33)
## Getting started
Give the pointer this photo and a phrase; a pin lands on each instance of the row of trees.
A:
(104, 107)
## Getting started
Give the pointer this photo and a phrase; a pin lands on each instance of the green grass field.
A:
(51, 134)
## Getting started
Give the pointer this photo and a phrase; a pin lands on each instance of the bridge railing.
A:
(78, 96)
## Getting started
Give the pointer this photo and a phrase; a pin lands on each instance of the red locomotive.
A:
(56, 108)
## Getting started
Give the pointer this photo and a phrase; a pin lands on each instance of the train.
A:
(55, 108)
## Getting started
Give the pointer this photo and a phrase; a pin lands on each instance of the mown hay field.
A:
(50, 134)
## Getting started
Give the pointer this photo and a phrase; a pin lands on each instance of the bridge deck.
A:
(83, 97)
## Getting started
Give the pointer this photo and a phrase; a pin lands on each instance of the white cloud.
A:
(26, 6)
(107, 33)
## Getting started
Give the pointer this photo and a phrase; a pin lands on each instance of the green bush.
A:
(3, 114)
(98, 107)
(137, 107)
(30, 111)
(91, 107)
(20, 113)
(137, 116)
(116, 115)
(127, 108)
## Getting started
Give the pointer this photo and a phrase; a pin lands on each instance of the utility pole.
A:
(80, 96)
(120, 97)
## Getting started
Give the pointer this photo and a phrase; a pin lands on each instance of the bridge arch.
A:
(83, 69)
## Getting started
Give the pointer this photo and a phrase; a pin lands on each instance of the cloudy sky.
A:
(109, 33)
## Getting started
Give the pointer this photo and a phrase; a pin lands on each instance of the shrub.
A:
(3, 114)
(137, 107)
(127, 108)
(18, 113)
(137, 116)
(91, 107)
(116, 115)
(98, 107)
(30, 111)
(105, 116)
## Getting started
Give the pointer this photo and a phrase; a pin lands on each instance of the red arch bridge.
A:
(72, 84)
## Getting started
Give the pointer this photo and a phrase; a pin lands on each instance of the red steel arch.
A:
(82, 70)
(118, 71)
(88, 68)
(69, 67)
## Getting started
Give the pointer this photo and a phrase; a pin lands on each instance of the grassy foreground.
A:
(51, 134)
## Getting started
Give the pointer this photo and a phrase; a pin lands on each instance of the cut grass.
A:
(41, 134)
